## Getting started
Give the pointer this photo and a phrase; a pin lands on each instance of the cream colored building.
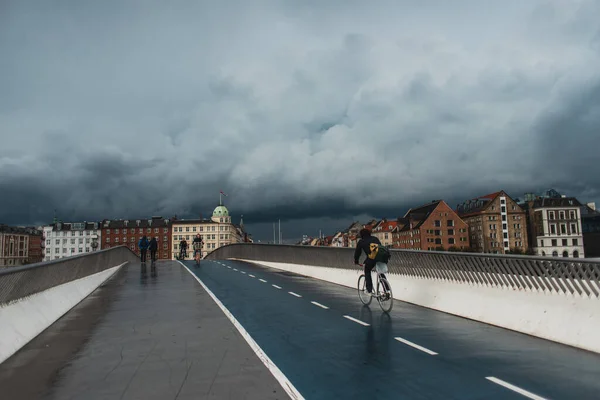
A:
(215, 232)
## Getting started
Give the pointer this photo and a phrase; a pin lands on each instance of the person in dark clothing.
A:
(143, 246)
(153, 246)
(363, 245)
(182, 249)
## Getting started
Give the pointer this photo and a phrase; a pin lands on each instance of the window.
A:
(164, 246)
(437, 222)
(165, 238)
(572, 214)
(575, 254)
(194, 229)
(165, 230)
(573, 229)
(437, 232)
(451, 241)
(561, 214)
(450, 222)
(563, 229)
(575, 242)
(503, 209)
(148, 230)
(187, 237)
(503, 217)
(155, 230)
(80, 250)
(438, 241)
(187, 228)
(87, 249)
(553, 229)
(505, 244)
(72, 241)
(553, 242)
(132, 239)
(108, 240)
(564, 242)
(133, 231)
(108, 231)
(542, 243)
(513, 208)
(505, 235)
(502, 201)
(551, 215)
(565, 253)
(504, 226)
(450, 231)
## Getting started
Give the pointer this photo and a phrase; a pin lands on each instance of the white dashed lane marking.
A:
(319, 305)
(294, 294)
(356, 320)
(275, 286)
(416, 346)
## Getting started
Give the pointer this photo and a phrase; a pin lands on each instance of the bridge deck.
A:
(147, 334)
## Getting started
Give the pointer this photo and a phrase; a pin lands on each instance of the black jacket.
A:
(153, 244)
(363, 245)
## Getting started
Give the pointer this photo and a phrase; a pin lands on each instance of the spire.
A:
(242, 221)
(54, 221)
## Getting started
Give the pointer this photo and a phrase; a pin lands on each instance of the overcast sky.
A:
(315, 112)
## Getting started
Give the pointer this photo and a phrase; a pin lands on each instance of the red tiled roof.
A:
(491, 196)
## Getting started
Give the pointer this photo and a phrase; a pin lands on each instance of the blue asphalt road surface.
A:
(326, 355)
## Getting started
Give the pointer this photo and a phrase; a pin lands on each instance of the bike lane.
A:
(542, 368)
(331, 346)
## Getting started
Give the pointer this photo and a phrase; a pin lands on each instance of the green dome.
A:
(221, 211)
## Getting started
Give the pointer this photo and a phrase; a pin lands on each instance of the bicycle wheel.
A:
(384, 296)
(365, 298)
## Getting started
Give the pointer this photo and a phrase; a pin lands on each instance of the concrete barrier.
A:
(34, 297)
(565, 318)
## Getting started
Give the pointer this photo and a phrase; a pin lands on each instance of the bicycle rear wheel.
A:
(365, 298)
(385, 296)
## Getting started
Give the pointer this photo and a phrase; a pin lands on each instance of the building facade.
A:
(69, 239)
(590, 223)
(36, 246)
(14, 246)
(215, 232)
(433, 226)
(129, 232)
(497, 224)
(383, 231)
(555, 227)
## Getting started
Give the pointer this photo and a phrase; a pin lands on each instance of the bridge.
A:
(257, 321)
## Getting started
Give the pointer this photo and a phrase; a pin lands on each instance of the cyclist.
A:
(197, 245)
(363, 245)
(182, 248)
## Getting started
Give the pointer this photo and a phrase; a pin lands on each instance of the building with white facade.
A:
(554, 226)
(215, 232)
(70, 239)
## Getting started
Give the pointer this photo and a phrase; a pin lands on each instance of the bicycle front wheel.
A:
(365, 298)
(385, 296)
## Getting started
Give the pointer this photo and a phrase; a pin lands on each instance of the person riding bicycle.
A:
(182, 248)
(364, 245)
(197, 245)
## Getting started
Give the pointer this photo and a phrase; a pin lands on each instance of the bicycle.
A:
(383, 291)
(182, 254)
(198, 254)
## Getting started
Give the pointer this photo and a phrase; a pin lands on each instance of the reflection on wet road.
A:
(331, 346)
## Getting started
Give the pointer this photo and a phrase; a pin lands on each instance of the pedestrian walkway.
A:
(149, 333)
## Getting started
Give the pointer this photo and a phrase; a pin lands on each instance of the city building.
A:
(69, 239)
(497, 224)
(14, 245)
(383, 231)
(36, 245)
(590, 226)
(554, 225)
(433, 226)
(129, 232)
(215, 232)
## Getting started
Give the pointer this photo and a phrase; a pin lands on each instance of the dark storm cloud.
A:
(316, 113)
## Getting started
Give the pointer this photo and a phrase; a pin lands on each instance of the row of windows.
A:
(564, 230)
(438, 223)
(565, 242)
(562, 214)
(64, 233)
(212, 228)
(226, 236)
(64, 241)
(72, 250)
(564, 254)
(141, 231)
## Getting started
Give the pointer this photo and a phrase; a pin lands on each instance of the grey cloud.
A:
(298, 110)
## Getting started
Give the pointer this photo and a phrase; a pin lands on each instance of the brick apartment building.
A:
(129, 232)
(433, 226)
(14, 246)
(590, 224)
(36, 246)
(497, 224)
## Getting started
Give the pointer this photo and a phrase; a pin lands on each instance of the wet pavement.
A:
(148, 333)
(315, 332)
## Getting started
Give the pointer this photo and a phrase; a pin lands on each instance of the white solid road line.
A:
(320, 305)
(416, 346)
(515, 388)
(358, 321)
(294, 294)
(262, 280)
(228, 267)
(235, 269)
(275, 286)
(281, 378)
(251, 276)
(242, 272)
